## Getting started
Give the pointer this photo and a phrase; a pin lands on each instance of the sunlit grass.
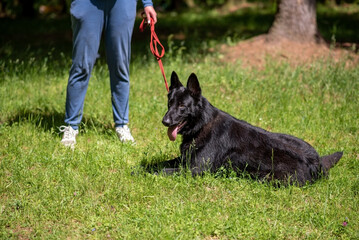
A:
(98, 190)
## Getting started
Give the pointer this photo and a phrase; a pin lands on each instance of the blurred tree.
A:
(31, 8)
(175, 4)
(53, 8)
(296, 20)
(27, 8)
(190, 4)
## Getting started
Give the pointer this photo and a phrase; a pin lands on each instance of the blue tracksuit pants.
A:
(115, 18)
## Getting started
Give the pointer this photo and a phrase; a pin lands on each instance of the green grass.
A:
(99, 191)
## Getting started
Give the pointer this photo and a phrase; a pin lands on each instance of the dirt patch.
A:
(22, 232)
(256, 52)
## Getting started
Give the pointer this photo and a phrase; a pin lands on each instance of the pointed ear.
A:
(175, 82)
(193, 85)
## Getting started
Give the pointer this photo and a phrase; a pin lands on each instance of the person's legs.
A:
(87, 18)
(120, 20)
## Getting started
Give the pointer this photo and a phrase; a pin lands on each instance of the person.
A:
(89, 18)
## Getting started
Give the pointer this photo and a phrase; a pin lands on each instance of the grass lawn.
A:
(99, 191)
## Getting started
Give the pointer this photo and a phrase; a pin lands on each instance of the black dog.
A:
(213, 139)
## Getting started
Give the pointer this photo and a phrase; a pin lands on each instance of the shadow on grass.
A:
(160, 165)
(51, 120)
(342, 26)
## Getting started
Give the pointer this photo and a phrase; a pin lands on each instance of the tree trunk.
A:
(190, 3)
(296, 20)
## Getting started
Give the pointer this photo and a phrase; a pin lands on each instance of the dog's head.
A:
(182, 102)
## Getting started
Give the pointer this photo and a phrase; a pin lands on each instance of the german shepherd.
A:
(213, 139)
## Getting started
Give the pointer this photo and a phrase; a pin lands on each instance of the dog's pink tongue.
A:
(172, 132)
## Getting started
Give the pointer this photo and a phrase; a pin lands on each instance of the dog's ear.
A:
(193, 85)
(175, 82)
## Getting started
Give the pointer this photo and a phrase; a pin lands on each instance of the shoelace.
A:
(124, 133)
(68, 131)
(123, 130)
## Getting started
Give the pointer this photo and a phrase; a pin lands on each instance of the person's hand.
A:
(151, 13)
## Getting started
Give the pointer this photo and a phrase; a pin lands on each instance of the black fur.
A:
(213, 139)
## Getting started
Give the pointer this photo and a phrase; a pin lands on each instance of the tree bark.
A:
(296, 20)
(190, 3)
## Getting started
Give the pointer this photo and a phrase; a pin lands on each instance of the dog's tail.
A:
(329, 161)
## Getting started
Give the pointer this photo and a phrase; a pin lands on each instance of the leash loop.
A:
(154, 43)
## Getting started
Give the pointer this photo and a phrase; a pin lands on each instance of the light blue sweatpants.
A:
(115, 18)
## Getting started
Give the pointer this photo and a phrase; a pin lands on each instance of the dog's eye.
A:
(181, 106)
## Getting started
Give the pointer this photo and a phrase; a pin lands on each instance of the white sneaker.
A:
(124, 134)
(69, 137)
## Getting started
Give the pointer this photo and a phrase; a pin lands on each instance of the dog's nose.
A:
(166, 121)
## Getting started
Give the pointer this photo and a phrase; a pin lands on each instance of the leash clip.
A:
(145, 22)
(144, 16)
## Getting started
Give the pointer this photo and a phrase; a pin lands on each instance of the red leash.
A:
(153, 45)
